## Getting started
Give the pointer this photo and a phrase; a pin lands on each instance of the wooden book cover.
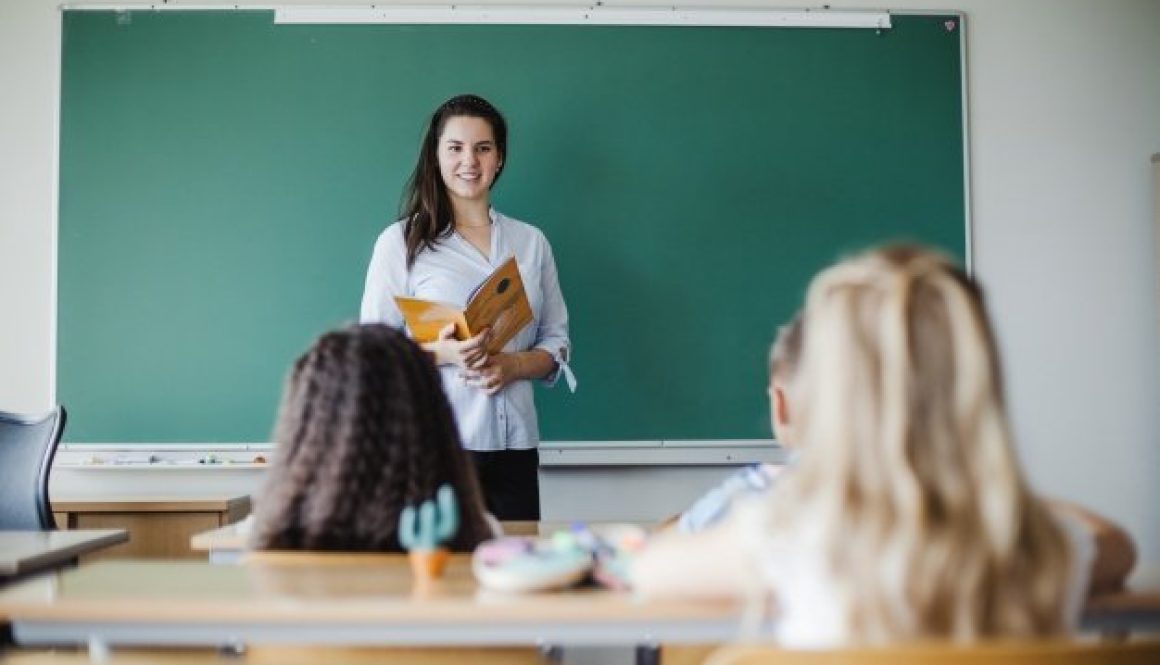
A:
(499, 303)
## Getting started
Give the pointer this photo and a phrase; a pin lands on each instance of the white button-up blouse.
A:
(450, 273)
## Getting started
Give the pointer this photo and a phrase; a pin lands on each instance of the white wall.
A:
(29, 91)
(1064, 114)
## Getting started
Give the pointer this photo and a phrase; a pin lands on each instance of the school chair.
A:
(1056, 652)
(27, 448)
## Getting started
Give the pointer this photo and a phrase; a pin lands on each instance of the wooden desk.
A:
(371, 601)
(26, 552)
(368, 602)
(159, 527)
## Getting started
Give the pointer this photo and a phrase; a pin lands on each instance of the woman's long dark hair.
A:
(364, 429)
(425, 207)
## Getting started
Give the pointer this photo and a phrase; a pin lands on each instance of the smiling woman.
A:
(448, 241)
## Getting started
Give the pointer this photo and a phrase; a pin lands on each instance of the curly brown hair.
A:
(363, 430)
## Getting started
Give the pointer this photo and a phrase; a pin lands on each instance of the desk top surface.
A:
(24, 551)
(368, 599)
(147, 504)
(355, 588)
(325, 587)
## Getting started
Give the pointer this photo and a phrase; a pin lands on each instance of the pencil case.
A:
(567, 558)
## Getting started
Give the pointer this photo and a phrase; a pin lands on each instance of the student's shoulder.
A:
(1077, 532)
(715, 504)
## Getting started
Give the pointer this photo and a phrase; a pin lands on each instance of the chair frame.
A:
(59, 416)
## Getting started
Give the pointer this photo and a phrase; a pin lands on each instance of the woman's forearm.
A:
(534, 364)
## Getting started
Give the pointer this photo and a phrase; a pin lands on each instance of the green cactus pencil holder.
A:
(422, 532)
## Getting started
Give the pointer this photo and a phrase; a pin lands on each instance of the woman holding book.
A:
(447, 243)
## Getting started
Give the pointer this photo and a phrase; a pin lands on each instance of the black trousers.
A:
(511, 483)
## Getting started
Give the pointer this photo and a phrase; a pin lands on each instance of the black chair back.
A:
(27, 447)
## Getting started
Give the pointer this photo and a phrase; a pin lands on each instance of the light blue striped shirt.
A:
(714, 505)
(449, 274)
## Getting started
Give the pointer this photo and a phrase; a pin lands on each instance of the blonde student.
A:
(908, 515)
(755, 479)
(364, 430)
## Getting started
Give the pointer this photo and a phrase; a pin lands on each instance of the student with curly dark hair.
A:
(364, 430)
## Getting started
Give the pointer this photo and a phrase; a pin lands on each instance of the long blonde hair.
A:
(926, 523)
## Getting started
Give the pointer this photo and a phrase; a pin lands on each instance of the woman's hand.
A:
(496, 373)
(470, 354)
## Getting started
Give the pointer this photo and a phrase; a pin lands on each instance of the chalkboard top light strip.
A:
(578, 15)
(527, 14)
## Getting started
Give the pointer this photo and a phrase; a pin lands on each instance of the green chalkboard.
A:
(223, 178)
